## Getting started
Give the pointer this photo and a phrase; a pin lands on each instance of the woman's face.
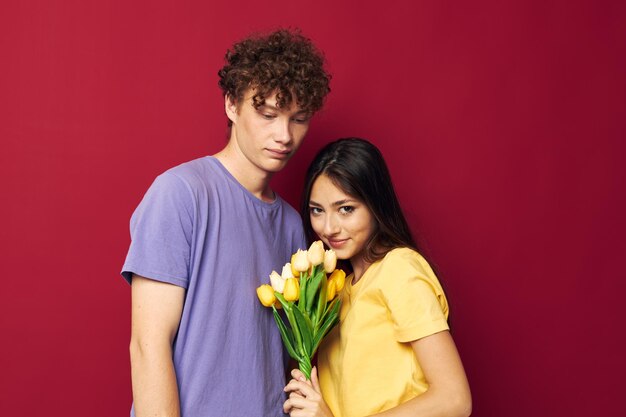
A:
(343, 222)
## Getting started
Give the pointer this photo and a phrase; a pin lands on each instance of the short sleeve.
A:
(161, 231)
(414, 297)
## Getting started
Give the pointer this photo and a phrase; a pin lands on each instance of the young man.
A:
(208, 232)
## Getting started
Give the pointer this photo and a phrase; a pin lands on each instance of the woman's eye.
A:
(315, 210)
(346, 209)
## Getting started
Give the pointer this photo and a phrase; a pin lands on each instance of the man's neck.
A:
(247, 174)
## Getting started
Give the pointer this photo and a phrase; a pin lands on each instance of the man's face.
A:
(266, 136)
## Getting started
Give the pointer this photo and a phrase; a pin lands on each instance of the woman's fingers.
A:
(300, 387)
(298, 375)
(295, 402)
(315, 381)
(305, 398)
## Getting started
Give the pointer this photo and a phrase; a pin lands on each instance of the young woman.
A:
(392, 353)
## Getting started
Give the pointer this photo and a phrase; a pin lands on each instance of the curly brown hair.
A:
(283, 62)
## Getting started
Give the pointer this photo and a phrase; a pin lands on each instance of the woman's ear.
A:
(231, 108)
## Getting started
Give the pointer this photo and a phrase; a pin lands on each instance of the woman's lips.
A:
(337, 243)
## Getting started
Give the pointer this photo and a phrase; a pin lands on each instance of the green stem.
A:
(303, 282)
(305, 366)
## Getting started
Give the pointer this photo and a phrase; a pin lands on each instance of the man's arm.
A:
(156, 311)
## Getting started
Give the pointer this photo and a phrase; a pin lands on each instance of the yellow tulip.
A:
(316, 253)
(330, 261)
(278, 282)
(287, 271)
(292, 289)
(294, 272)
(300, 261)
(331, 290)
(339, 277)
(266, 295)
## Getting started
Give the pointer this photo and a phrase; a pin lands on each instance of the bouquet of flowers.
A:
(306, 294)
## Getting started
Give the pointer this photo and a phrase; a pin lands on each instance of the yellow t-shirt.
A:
(366, 364)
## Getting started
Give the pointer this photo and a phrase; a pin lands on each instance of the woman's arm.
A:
(448, 393)
(156, 312)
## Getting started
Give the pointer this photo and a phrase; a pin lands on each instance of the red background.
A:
(503, 124)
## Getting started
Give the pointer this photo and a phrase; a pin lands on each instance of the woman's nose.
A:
(331, 225)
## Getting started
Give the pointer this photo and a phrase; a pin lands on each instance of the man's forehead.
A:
(271, 101)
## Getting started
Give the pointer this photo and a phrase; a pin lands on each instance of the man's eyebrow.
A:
(266, 106)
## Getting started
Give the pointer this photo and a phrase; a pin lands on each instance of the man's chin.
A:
(276, 166)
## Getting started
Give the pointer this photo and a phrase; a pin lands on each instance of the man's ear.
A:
(230, 106)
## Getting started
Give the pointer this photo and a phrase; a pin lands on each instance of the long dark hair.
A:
(357, 167)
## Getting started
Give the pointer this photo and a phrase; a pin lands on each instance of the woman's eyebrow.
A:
(334, 204)
(343, 202)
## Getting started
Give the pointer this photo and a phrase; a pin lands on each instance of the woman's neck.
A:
(359, 266)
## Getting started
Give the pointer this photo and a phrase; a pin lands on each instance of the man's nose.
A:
(283, 131)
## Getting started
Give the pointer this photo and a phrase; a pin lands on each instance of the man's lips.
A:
(279, 153)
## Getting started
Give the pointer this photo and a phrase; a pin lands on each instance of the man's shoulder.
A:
(288, 208)
(191, 168)
(200, 171)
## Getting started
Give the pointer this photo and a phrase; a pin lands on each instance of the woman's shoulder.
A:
(406, 260)
(403, 255)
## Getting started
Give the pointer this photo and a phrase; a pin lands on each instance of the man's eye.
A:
(268, 116)
(300, 120)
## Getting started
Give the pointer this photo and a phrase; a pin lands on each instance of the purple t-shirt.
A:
(198, 228)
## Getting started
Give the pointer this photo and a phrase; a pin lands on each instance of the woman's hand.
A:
(305, 397)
